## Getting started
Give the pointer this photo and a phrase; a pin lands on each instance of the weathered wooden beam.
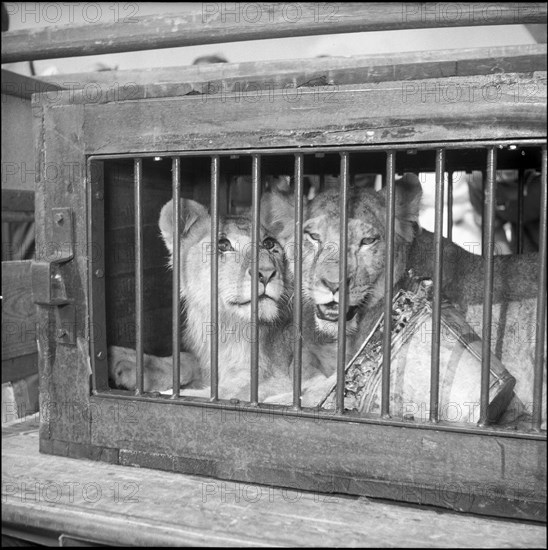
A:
(358, 459)
(217, 22)
(16, 200)
(22, 86)
(480, 107)
(311, 72)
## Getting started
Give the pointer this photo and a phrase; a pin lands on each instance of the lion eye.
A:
(269, 243)
(366, 241)
(225, 245)
(313, 236)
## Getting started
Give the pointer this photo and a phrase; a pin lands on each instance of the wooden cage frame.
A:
(493, 473)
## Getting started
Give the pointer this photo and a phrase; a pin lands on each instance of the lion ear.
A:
(277, 212)
(190, 213)
(408, 202)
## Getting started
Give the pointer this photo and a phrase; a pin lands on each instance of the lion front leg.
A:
(157, 371)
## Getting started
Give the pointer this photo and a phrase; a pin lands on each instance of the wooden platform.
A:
(49, 496)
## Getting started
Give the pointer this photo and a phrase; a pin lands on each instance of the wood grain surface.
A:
(132, 506)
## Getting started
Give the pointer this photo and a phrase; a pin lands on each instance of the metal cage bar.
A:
(276, 151)
(489, 251)
(521, 190)
(255, 239)
(215, 168)
(297, 298)
(343, 270)
(541, 299)
(388, 283)
(450, 205)
(436, 304)
(483, 213)
(176, 320)
(139, 275)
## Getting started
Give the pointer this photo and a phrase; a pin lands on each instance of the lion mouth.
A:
(330, 311)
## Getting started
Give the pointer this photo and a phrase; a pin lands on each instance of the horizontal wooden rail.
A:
(22, 86)
(17, 200)
(333, 71)
(214, 23)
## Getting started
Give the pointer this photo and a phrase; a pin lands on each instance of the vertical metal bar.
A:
(436, 305)
(297, 301)
(176, 320)
(322, 174)
(521, 189)
(343, 270)
(255, 238)
(138, 200)
(541, 299)
(489, 250)
(450, 206)
(388, 283)
(215, 168)
(483, 212)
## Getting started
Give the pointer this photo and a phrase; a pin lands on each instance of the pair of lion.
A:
(515, 290)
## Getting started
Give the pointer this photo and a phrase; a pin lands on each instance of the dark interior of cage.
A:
(516, 165)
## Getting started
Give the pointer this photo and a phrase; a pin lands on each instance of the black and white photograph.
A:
(274, 274)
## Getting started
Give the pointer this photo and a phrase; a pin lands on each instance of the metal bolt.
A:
(61, 332)
(99, 195)
(99, 273)
(100, 355)
(59, 218)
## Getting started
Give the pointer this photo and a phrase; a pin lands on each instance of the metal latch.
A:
(48, 284)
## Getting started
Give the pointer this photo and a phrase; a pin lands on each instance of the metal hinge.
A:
(48, 284)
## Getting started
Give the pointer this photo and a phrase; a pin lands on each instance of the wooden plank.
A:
(320, 453)
(141, 507)
(18, 310)
(214, 23)
(19, 85)
(211, 79)
(17, 200)
(458, 108)
(19, 367)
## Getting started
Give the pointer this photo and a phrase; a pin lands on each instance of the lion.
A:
(234, 330)
(365, 269)
(157, 371)
(365, 262)
(514, 298)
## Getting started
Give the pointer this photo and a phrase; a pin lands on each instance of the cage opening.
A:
(226, 184)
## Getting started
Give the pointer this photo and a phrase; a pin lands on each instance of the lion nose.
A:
(333, 286)
(265, 275)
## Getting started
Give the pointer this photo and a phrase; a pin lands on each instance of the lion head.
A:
(235, 259)
(365, 254)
